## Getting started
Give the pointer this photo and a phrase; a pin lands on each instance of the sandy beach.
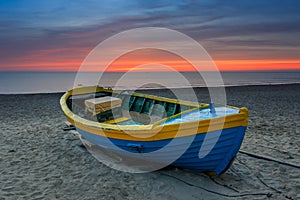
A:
(38, 160)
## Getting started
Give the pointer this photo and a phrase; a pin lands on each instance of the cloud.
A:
(60, 29)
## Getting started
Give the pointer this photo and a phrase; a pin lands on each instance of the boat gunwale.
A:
(89, 125)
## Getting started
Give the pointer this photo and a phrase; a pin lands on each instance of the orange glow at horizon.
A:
(139, 60)
(248, 65)
(130, 61)
(223, 65)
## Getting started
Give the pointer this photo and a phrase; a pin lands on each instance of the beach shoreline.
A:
(39, 160)
(173, 88)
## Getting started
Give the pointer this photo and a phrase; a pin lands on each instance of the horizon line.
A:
(73, 71)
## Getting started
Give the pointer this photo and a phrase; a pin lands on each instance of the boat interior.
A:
(129, 108)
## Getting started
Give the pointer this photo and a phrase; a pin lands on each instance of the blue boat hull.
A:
(226, 145)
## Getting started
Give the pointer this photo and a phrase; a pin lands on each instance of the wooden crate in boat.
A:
(102, 104)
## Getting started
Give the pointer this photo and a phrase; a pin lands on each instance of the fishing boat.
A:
(190, 135)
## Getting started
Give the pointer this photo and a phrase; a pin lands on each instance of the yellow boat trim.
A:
(153, 131)
(114, 121)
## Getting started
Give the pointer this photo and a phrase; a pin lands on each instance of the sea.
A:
(52, 82)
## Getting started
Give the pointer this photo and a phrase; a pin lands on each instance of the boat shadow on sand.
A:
(247, 178)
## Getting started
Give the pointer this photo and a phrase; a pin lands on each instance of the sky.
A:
(57, 35)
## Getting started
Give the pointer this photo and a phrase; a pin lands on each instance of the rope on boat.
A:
(268, 159)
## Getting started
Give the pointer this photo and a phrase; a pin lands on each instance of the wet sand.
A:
(38, 160)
